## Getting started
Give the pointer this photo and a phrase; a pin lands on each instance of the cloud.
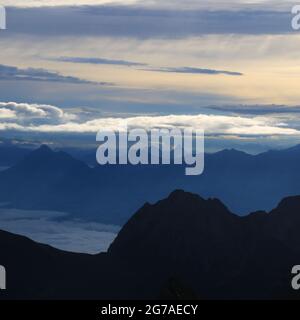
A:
(30, 114)
(186, 70)
(66, 234)
(257, 109)
(99, 61)
(41, 75)
(144, 22)
(49, 119)
(191, 70)
(6, 113)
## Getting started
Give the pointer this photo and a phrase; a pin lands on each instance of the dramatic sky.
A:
(69, 68)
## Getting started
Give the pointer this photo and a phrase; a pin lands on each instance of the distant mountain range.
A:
(44, 179)
(181, 247)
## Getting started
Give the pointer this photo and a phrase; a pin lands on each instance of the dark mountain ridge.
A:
(200, 243)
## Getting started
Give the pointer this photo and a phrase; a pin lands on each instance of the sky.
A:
(72, 67)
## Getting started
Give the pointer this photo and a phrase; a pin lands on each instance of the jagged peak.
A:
(233, 151)
(44, 148)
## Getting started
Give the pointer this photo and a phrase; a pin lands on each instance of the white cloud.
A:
(50, 119)
(6, 113)
(24, 113)
(70, 235)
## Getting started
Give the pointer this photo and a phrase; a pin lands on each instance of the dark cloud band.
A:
(130, 21)
(190, 70)
(99, 61)
(186, 70)
(41, 75)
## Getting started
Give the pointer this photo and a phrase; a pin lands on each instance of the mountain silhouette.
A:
(45, 179)
(182, 246)
(50, 180)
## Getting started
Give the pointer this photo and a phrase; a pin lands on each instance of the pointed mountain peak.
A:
(44, 158)
(44, 149)
(43, 152)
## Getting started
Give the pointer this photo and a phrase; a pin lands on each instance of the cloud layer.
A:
(41, 75)
(50, 119)
(70, 235)
(99, 61)
(146, 22)
(193, 70)
(185, 70)
(257, 109)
